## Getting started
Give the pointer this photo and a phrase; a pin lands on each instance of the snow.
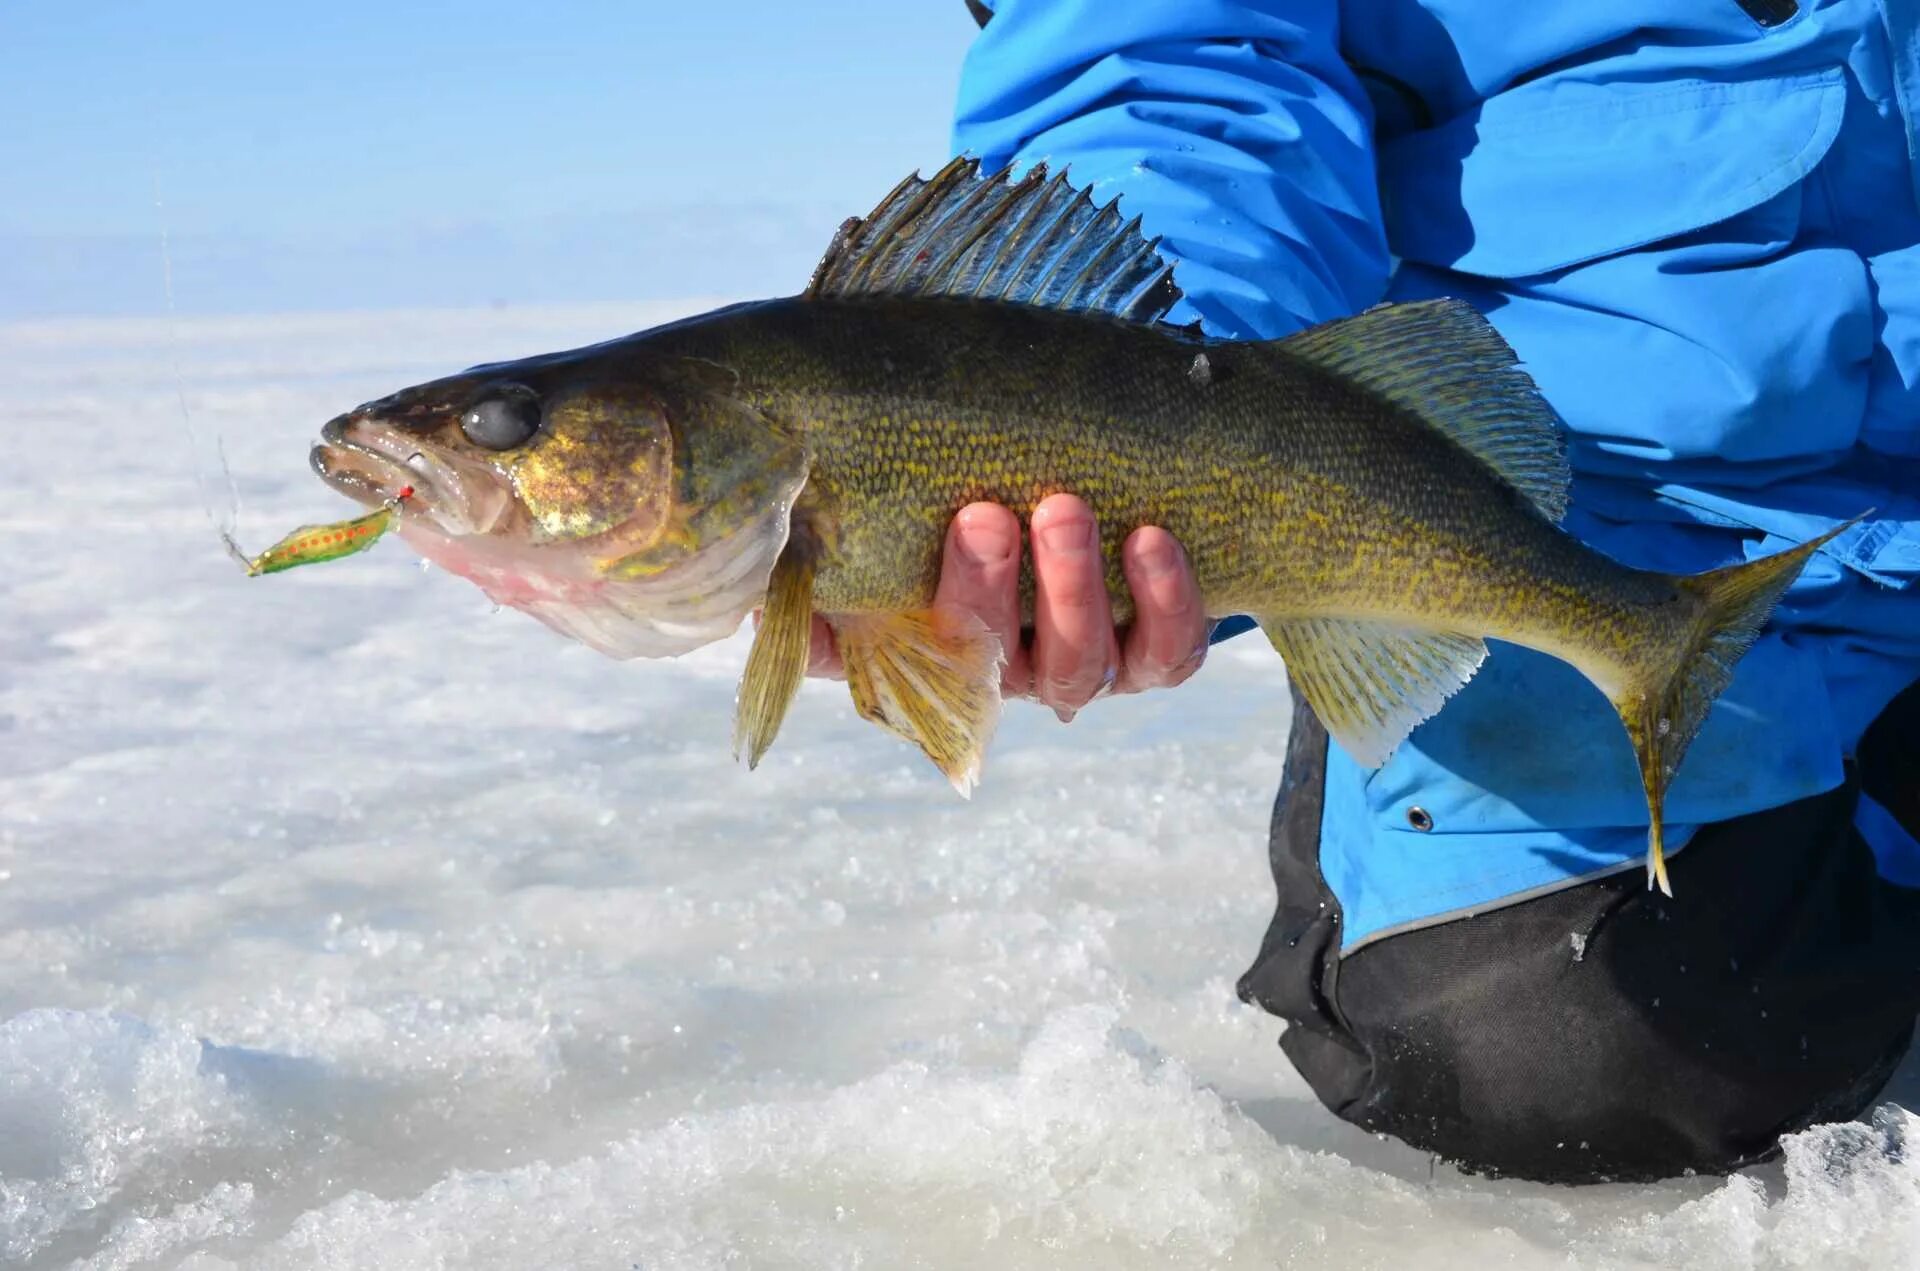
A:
(347, 923)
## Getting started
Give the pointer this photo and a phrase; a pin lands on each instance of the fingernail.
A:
(1056, 690)
(986, 544)
(1067, 537)
(1161, 560)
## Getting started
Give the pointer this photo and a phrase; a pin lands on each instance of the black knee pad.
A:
(1606, 1032)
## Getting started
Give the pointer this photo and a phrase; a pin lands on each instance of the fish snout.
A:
(363, 455)
(361, 474)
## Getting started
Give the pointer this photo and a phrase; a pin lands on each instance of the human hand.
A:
(1076, 654)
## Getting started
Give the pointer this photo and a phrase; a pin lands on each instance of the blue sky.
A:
(363, 155)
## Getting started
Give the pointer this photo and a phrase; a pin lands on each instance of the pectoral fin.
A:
(1371, 682)
(778, 660)
(928, 676)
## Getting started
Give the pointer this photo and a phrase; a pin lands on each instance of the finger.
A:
(823, 652)
(980, 574)
(1169, 636)
(1074, 655)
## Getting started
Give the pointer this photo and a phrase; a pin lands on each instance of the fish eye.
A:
(506, 417)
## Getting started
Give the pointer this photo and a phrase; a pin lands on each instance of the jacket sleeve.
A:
(1232, 127)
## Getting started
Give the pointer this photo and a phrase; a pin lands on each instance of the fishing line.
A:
(227, 525)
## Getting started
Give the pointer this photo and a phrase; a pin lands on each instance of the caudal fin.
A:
(1664, 712)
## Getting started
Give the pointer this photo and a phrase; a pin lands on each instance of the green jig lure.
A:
(312, 544)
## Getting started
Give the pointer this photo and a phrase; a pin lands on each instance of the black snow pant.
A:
(1778, 988)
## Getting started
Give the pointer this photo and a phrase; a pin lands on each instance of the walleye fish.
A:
(1381, 492)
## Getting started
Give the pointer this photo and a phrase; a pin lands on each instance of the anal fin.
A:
(929, 676)
(1371, 682)
(778, 660)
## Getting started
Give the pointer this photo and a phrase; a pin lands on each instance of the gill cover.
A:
(600, 465)
(686, 570)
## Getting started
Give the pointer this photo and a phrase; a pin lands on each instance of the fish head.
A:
(635, 505)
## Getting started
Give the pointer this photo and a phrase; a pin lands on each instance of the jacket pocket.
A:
(1884, 548)
(1560, 171)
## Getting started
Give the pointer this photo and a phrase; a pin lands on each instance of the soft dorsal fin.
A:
(1444, 362)
(1034, 241)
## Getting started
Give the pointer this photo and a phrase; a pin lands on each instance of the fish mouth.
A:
(358, 470)
(376, 465)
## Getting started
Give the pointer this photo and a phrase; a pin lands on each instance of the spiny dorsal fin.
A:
(1034, 241)
(1370, 682)
(1444, 362)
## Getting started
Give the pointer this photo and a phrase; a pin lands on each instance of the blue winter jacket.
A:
(1698, 224)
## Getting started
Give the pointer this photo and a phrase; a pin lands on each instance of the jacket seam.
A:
(1705, 95)
(1499, 902)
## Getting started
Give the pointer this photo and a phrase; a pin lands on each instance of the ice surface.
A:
(347, 923)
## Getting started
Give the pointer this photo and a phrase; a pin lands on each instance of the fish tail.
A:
(1664, 710)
